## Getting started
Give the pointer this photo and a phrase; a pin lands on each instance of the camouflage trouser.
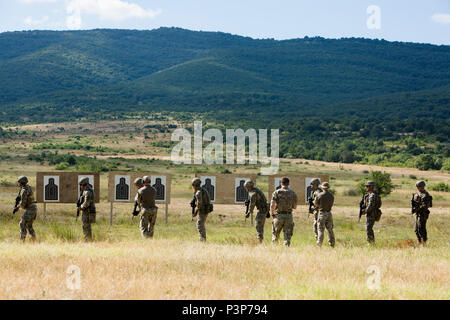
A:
(420, 226)
(325, 221)
(26, 223)
(87, 229)
(369, 228)
(201, 221)
(147, 223)
(316, 217)
(283, 222)
(260, 222)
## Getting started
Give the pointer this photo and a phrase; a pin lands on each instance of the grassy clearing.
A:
(121, 265)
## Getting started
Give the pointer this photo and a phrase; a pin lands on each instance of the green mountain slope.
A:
(175, 69)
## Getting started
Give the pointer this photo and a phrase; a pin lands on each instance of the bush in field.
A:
(351, 193)
(384, 185)
(441, 186)
(427, 162)
(446, 165)
(62, 166)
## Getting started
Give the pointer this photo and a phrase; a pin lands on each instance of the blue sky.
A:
(396, 20)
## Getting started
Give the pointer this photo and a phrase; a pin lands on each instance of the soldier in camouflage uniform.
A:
(284, 200)
(315, 190)
(257, 199)
(146, 198)
(202, 206)
(422, 201)
(29, 205)
(324, 201)
(371, 208)
(87, 207)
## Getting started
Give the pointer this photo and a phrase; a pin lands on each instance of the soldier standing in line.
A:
(25, 200)
(315, 190)
(257, 198)
(371, 208)
(421, 202)
(284, 200)
(202, 207)
(87, 207)
(324, 202)
(146, 198)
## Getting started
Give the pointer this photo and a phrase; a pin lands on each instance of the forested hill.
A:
(52, 76)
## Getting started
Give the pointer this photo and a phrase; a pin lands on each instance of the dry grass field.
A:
(231, 265)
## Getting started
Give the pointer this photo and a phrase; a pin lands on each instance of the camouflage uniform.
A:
(29, 205)
(88, 211)
(324, 202)
(202, 202)
(371, 205)
(258, 199)
(146, 198)
(285, 200)
(423, 201)
(316, 212)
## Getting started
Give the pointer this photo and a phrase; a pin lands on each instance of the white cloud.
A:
(74, 22)
(38, 1)
(442, 18)
(115, 10)
(29, 21)
(112, 10)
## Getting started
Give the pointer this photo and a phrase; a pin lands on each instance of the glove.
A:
(135, 213)
(247, 203)
(193, 204)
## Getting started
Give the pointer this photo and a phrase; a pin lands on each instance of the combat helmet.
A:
(22, 180)
(249, 184)
(325, 185)
(196, 182)
(421, 184)
(84, 181)
(147, 179)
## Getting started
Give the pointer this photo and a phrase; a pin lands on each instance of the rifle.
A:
(18, 198)
(361, 208)
(247, 208)
(135, 210)
(413, 205)
(193, 208)
(78, 209)
(311, 207)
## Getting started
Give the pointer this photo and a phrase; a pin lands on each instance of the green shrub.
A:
(441, 186)
(62, 166)
(384, 185)
(351, 193)
(5, 183)
(427, 162)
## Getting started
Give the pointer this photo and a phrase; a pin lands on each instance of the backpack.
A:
(378, 212)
